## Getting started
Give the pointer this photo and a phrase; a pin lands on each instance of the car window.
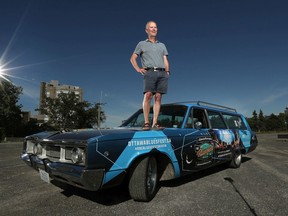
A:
(196, 115)
(216, 120)
(234, 122)
(138, 120)
(170, 117)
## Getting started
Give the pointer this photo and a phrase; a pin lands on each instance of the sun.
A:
(2, 74)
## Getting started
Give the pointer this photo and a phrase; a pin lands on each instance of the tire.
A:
(143, 182)
(236, 160)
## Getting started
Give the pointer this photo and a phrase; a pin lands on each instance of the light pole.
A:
(99, 105)
(99, 113)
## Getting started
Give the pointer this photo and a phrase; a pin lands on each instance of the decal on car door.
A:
(201, 148)
(197, 150)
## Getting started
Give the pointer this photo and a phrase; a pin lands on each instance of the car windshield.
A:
(170, 116)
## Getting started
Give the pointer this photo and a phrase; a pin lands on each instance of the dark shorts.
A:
(156, 82)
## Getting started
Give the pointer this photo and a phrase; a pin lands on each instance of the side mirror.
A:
(198, 125)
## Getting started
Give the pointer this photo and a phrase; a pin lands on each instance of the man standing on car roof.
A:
(155, 71)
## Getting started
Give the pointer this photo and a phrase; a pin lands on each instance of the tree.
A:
(283, 121)
(273, 122)
(254, 121)
(66, 112)
(261, 121)
(28, 128)
(97, 111)
(286, 120)
(10, 112)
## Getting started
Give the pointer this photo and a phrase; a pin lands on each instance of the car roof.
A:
(206, 105)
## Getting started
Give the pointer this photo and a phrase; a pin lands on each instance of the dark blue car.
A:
(196, 135)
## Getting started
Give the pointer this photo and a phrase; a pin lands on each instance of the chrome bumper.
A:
(68, 173)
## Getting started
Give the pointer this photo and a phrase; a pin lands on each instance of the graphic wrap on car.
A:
(227, 141)
(200, 148)
(204, 150)
(202, 153)
(231, 139)
(142, 143)
(245, 137)
(224, 141)
(197, 150)
(95, 159)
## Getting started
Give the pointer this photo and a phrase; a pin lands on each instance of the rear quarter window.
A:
(216, 120)
(234, 122)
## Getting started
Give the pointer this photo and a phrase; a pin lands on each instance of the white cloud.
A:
(275, 96)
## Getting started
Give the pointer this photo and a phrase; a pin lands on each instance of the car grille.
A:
(53, 151)
(59, 153)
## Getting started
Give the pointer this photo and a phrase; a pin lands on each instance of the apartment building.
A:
(53, 89)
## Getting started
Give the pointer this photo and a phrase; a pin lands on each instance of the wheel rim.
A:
(151, 175)
(238, 158)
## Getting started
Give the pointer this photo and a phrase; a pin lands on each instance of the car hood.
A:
(85, 135)
(41, 135)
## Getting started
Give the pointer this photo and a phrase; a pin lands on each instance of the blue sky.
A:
(228, 52)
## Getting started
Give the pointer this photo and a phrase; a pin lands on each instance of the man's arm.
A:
(134, 63)
(166, 63)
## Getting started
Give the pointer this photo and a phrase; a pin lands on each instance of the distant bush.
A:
(2, 134)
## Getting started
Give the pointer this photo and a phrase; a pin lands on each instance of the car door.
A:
(223, 137)
(197, 145)
(238, 125)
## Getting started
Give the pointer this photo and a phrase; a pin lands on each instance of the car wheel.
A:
(144, 180)
(236, 160)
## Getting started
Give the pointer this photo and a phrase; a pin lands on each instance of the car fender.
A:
(143, 143)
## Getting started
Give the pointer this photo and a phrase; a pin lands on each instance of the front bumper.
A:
(68, 173)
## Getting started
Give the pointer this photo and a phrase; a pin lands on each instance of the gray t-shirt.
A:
(151, 54)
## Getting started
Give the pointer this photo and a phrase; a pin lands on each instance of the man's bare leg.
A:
(146, 106)
(156, 108)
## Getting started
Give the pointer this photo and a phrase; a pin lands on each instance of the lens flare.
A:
(3, 64)
(2, 74)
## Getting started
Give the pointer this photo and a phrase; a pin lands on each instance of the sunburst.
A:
(3, 74)
(6, 72)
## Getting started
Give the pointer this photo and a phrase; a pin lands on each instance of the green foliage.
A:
(2, 134)
(29, 128)
(66, 112)
(254, 121)
(261, 121)
(273, 122)
(10, 112)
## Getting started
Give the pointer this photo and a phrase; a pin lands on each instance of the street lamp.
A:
(99, 105)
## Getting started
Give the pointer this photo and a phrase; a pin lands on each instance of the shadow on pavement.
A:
(197, 175)
(119, 194)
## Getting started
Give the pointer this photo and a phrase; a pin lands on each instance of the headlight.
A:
(37, 149)
(77, 155)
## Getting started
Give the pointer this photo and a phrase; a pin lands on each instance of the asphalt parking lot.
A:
(258, 187)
